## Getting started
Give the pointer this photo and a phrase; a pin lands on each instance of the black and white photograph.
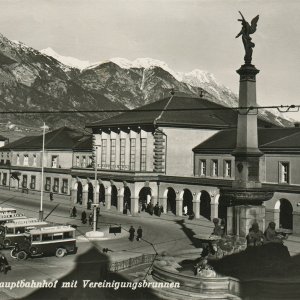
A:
(149, 149)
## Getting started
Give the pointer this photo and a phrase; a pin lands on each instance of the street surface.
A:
(90, 263)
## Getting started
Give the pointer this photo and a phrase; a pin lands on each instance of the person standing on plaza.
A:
(83, 217)
(139, 233)
(90, 219)
(131, 233)
(74, 212)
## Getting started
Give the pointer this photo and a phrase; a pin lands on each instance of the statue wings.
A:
(253, 24)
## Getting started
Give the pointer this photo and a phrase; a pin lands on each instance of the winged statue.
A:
(245, 32)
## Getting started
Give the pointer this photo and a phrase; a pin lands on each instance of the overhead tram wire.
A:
(280, 108)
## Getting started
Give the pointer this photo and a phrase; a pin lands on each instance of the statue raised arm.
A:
(245, 33)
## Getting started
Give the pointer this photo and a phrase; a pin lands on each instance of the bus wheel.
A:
(60, 252)
(22, 255)
(13, 253)
(6, 243)
(33, 251)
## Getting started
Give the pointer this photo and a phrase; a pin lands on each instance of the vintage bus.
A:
(12, 232)
(46, 241)
(9, 216)
(4, 210)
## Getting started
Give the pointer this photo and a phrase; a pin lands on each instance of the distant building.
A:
(279, 165)
(146, 155)
(21, 161)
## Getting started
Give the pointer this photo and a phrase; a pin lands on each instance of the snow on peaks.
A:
(66, 60)
(146, 63)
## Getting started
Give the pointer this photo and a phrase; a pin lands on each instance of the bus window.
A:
(36, 238)
(68, 235)
(9, 231)
(57, 236)
(19, 230)
(46, 237)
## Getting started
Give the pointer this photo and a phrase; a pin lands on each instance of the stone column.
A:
(120, 203)
(179, 207)
(296, 222)
(213, 210)
(230, 220)
(84, 198)
(163, 202)
(134, 206)
(73, 196)
(107, 200)
(196, 208)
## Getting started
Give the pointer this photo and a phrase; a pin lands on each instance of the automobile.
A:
(13, 232)
(10, 216)
(46, 241)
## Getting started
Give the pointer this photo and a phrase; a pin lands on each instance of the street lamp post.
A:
(41, 212)
(94, 234)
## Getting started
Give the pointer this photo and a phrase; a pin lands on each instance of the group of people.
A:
(150, 209)
(139, 233)
(90, 218)
(256, 237)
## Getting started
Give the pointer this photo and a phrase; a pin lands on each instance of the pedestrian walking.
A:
(74, 212)
(139, 233)
(51, 196)
(125, 208)
(4, 266)
(131, 233)
(83, 217)
(89, 204)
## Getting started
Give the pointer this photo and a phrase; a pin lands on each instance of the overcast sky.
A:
(186, 34)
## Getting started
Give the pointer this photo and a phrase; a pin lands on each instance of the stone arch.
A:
(79, 189)
(170, 195)
(90, 191)
(145, 196)
(127, 198)
(114, 196)
(285, 214)
(205, 208)
(187, 201)
(101, 193)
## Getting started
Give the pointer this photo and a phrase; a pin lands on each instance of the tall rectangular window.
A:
(132, 154)
(215, 167)
(90, 163)
(112, 153)
(103, 153)
(228, 169)
(202, 167)
(284, 172)
(54, 161)
(34, 160)
(56, 185)
(18, 159)
(48, 184)
(25, 161)
(24, 183)
(32, 182)
(122, 153)
(143, 154)
(77, 161)
(83, 161)
(64, 188)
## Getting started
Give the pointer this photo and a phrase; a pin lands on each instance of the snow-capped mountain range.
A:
(44, 80)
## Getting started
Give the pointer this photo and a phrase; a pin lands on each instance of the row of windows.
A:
(32, 185)
(84, 162)
(132, 154)
(214, 170)
(55, 187)
(54, 160)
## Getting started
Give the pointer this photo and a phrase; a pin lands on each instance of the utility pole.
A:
(95, 194)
